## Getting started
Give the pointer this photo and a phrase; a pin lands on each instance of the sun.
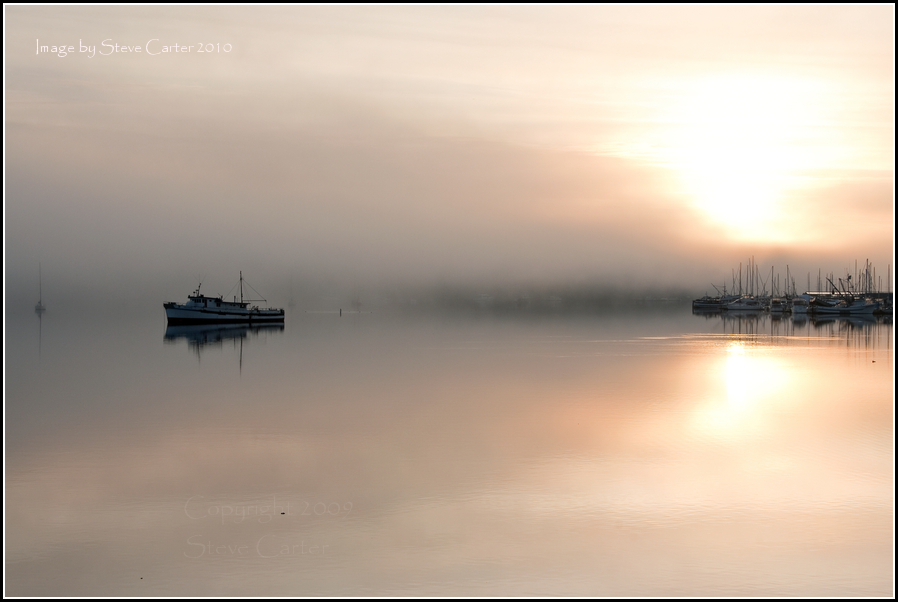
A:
(739, 141)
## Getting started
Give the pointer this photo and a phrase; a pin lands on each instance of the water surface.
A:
(639, 453)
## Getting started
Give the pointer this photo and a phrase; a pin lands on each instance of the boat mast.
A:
(241, 286)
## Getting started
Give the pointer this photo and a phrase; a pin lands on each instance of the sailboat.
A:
(39, 306)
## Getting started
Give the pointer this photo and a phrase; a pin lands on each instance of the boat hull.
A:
(745, 304)
(850, 310)
(177, 315)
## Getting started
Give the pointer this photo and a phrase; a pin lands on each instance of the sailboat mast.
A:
(241, 286)
(39, 306)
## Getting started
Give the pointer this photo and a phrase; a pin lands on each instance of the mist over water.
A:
(342, 150)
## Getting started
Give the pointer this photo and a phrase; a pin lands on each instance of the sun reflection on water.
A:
(737, 375)
(752, 382)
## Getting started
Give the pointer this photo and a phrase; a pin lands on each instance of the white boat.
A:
(778, 305)
(708, 302)
(800, 305)
(745, 303)
(846, 307)
(201, 309)
(719, 302)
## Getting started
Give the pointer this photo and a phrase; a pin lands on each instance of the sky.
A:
(346, 149)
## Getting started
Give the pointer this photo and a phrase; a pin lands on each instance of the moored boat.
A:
(800, 305)
(846, 307)
(707, 302)
(745, 303)
(201, 309)
(779, 305)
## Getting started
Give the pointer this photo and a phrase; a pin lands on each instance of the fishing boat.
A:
(846, 307)
(843, 302)
(201, 309)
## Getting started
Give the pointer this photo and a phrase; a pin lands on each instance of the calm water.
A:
(642, 453)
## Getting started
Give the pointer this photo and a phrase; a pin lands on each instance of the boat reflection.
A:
(707, 312)
(859, 321)
(743, 322)
(203, 336)
(754, 316)
(777, 325)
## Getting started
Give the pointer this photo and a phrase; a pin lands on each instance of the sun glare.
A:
(738, 376)
(753, 384)
(738, 138)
